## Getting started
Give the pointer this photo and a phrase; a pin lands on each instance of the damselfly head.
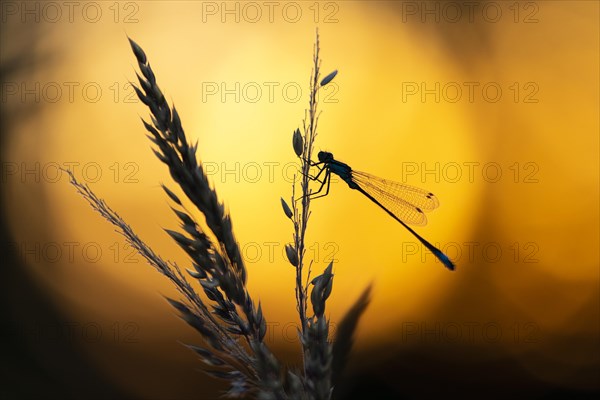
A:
(325, 156)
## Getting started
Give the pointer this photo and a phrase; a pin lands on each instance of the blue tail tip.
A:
(445, 260)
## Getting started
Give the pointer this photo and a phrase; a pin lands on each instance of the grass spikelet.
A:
(232, 326)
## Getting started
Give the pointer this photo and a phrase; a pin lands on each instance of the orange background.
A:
(539, 294)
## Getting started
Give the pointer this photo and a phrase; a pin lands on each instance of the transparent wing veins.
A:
(406, 202)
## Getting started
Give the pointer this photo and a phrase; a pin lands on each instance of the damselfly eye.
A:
(325, 156)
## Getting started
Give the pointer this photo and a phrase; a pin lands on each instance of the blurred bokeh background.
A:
(493, 106)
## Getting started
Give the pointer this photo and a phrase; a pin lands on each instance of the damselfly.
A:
(406, 204)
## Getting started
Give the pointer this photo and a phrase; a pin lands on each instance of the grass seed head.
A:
(286, 209)
(292, 255)
(298, 142)
(328, 78)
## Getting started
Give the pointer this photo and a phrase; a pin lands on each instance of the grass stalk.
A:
(232, 325)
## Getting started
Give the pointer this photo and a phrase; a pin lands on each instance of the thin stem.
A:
(301, 218)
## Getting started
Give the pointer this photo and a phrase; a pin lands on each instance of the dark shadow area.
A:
(464, 373)
(38, 358)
